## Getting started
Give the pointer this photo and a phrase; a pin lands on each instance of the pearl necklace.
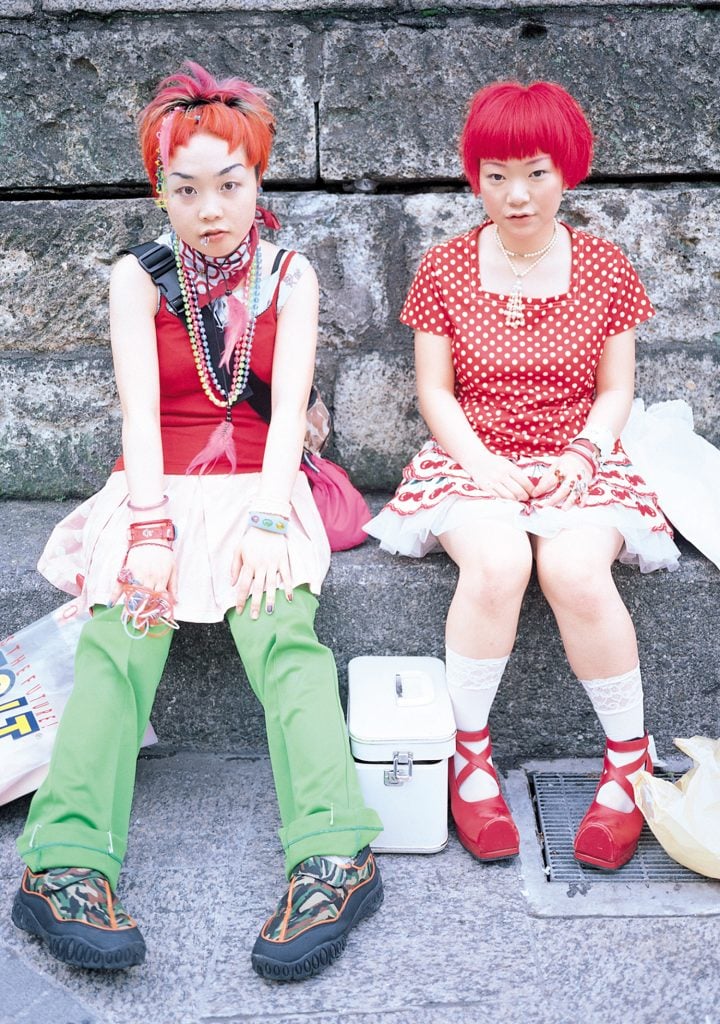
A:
(515, 312)
(198, 337)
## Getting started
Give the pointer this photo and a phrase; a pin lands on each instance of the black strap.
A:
(158, 261)
(277, 261)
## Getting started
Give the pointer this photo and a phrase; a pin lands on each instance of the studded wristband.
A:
(268, 521)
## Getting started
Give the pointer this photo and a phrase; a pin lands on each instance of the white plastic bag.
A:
(681, 467)
(36, 679)
(684, 816)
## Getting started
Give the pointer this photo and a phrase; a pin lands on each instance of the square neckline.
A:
(535, 300)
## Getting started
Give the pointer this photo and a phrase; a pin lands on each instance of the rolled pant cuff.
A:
(57, 846)
(328, 835)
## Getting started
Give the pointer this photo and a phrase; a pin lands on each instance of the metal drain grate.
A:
(561, 800)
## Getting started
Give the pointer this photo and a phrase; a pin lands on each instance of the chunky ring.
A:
(578, 488)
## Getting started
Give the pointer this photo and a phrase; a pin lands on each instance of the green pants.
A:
(80, 815)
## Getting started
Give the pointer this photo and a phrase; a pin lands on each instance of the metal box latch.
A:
(401, 771)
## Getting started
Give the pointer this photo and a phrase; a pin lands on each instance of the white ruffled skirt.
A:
(86, 549)
(436, 495)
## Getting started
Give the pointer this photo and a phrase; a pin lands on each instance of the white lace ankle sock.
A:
(472, 684)
(618, 703)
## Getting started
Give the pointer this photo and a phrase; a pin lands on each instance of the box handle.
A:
(401, 771)
(413, 689)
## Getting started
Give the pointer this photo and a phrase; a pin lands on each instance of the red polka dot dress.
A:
(526, 392)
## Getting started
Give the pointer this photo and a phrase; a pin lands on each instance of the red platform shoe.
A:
(484, 827)
(608, 838)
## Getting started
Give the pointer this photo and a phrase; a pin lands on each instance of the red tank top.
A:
(187, 416)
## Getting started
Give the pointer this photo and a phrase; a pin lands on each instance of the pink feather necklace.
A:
(202, 280)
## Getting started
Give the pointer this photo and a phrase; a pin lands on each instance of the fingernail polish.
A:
(269, 609)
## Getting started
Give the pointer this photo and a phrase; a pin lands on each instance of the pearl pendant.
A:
(515, 313)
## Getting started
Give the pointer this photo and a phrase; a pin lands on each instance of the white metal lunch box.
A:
(402, 732)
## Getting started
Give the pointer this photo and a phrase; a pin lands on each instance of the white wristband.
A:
(601, 437)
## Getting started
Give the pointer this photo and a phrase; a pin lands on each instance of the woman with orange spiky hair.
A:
(524, 345)
(206, 516)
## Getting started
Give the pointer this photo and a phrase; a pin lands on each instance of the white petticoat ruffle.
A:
(416, 535)
(678, 465)
(87, 548)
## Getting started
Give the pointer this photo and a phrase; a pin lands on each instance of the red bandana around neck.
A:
(213, 277)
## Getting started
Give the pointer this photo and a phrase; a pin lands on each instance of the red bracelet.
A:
(585, 442)
(148, 508)
(572, 449)
(156, 529)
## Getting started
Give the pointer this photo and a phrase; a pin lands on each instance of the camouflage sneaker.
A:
(74, 911)
(310, 926)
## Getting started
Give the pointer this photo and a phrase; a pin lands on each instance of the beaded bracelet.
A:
(148, 508)
(155, 529)
(268, 521)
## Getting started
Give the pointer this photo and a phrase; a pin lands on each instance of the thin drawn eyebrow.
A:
(220, 174)
(534, 160)
(226, 170)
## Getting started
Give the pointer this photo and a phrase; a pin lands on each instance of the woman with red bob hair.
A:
(524, 342)
(206, 516)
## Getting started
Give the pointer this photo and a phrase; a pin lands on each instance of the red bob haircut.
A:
(509, 121)
(196, 102)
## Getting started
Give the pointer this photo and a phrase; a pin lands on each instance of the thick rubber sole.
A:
(322, 955)
(73, 950)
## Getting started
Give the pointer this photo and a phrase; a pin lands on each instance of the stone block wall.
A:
(370, 100)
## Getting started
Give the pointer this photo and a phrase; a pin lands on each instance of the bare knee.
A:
(495, 580)
(582, 583)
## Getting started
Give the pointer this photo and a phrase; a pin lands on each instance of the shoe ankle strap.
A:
(473, 737)
(619, 772)
(476, 760)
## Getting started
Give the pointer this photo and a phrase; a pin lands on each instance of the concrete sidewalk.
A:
(456, 942)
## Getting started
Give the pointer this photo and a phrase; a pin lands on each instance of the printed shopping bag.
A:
(36, 679)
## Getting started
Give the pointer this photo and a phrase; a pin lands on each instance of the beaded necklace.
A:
(223, 398)
(515, 311)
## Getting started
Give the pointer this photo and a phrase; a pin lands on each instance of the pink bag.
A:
(342, 507)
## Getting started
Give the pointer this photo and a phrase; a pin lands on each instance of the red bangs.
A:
(509, 121)
(197, 103)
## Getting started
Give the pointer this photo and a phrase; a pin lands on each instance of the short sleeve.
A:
(425, 308)
(629, 302)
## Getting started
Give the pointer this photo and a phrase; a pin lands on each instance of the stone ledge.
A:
(377, 604)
